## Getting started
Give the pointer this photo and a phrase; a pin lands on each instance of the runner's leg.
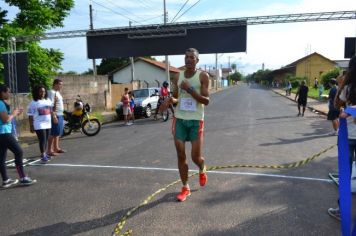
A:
(182, 160)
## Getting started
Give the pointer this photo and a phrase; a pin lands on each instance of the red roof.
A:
(159, 64)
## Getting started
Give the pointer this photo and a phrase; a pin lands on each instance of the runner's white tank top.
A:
(188, 108)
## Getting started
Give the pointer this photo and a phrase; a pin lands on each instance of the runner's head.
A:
(191, 58)
(165, 84)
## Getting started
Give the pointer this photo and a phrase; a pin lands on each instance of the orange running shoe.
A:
(203, 177)
(183, 194)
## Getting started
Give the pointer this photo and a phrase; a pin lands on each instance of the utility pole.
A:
(216, 71)
(166, 57)
(132, 64)
(92, 27)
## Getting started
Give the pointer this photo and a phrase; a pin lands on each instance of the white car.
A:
(146, 101)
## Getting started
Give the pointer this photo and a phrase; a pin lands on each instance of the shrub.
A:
(327, 76)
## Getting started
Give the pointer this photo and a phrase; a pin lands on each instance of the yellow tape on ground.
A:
(122, 221)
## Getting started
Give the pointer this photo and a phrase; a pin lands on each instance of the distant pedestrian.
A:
(39, 114)
(125, 99)
(316, 83)
(288, 88)
(320, 90)
(333, 114)
(132, 106)
(57, 122)
(8, 141)
(302, 96)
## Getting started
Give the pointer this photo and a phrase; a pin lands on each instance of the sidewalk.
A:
(315, 105)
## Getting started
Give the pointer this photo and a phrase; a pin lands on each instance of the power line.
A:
(114, 4)
(149, 19)
(115, 12)
(147, 6)
(179, 10)
(188, 9)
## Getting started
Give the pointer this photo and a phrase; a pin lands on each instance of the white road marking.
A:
(176, 170)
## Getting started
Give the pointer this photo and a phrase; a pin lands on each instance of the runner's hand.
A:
(184, 85)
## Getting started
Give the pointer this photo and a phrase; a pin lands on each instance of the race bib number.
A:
(188, 104)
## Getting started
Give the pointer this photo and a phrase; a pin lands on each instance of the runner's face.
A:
(190, 60)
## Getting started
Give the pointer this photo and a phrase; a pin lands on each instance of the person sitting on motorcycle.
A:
(163, 94)
(77, 112)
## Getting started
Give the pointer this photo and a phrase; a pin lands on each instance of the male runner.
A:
(191, 93)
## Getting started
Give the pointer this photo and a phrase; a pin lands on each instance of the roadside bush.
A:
(295, 81)
(327, 76)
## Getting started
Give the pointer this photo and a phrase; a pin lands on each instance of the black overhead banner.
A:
(350, 45)
(172, 40)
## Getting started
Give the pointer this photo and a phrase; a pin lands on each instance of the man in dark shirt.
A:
(302, 95)
(333, 113)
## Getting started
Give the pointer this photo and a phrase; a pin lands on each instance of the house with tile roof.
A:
(310, 67)
(149, 73)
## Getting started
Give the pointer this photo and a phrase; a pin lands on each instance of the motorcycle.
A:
(81, 120)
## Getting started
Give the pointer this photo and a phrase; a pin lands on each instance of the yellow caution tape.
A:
(122, 221)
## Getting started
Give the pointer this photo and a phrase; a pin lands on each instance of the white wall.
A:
(143, 71)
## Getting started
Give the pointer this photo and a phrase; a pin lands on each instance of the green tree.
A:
(237, 76)
(107, 65)
(327, 76)
(35, 17)
(261, 76)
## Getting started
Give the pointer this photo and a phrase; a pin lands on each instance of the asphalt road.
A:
(88, 189)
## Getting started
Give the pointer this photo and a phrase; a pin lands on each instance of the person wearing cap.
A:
(164, 93)
(333, 114)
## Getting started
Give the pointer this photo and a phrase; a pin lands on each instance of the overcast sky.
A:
(275, 45)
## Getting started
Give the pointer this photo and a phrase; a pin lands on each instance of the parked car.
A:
(146, 101)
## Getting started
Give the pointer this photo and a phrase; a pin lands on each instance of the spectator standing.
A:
(333, 114)
(8, 141)
(302, 96)
(316, 83)
(132, 106)
(125, 99)
(57, 122)
(320, 90)
(39, 114)
(289, 88)
(347, 84)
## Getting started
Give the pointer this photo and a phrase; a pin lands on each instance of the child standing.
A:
(132, 106)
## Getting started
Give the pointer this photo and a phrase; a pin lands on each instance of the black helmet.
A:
(165, 84)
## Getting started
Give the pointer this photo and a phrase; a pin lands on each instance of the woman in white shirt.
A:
(40, 112)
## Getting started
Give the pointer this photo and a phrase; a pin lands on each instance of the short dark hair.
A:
(193, 50)
(36, 92)
(3, 89)
(57, 81)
